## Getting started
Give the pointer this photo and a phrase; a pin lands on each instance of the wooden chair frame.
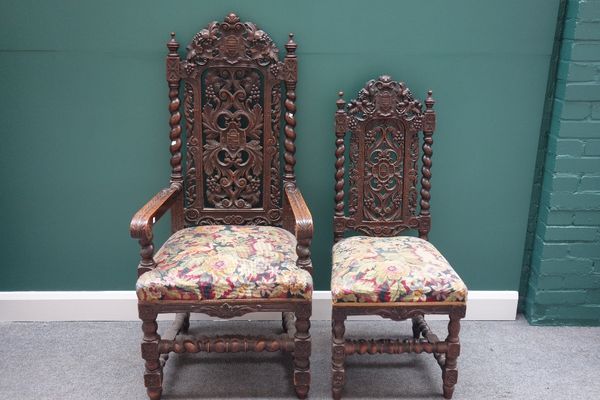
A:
(389, 103)
(233, 46)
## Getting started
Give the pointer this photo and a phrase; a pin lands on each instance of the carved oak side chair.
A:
(395, 277)
(241, 231)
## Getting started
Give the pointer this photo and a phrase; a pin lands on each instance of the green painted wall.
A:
(84, 121)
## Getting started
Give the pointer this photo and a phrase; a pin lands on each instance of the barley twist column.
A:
(341, 126)
(428, 128)
(290, 75)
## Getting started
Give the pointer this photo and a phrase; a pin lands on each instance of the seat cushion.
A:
(393, 269)
(226, 262)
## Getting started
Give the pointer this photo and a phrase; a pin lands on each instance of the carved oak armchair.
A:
(241, 231)
(395, 277)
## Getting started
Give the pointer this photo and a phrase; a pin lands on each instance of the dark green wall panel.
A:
(85, 133)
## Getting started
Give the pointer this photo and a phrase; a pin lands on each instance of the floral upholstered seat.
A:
(226, 262)
(392, 269)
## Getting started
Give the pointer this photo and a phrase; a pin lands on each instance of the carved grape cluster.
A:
(253, 184)
(274, 69)
(352, 124)
(370, 137)
(189, 68)
(398, 135)
(210, 93)
(417, 123)
(254, 94)
(212, 184)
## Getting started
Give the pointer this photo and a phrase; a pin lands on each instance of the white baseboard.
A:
(122, 306)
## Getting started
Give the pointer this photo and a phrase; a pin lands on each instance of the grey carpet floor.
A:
(101, 360)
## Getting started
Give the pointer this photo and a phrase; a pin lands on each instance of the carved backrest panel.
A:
(384, 122)
(232, 106)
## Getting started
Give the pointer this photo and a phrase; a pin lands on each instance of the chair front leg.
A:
(302, 350)
(450, 369)
(338, 353)
(153, 374)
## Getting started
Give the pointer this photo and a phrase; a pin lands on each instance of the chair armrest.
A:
(296, 216)
(297, 219)
(146, 217)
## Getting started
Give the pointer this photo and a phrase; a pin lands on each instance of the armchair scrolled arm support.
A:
(143, 221)
(298, 220)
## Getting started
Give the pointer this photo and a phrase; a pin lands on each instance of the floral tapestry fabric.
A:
(226, 262)
(392, 269)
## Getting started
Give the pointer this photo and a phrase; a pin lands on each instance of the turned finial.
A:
(429, 102)
(172, 44)
(291, 46)
(340, 103)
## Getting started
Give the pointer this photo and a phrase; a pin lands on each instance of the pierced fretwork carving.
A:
(232, 120)
(384, 155)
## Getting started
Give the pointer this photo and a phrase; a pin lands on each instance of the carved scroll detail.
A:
(232, 120)
(384, 148)
(398, 314)
(226, 310)
(377, 229)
